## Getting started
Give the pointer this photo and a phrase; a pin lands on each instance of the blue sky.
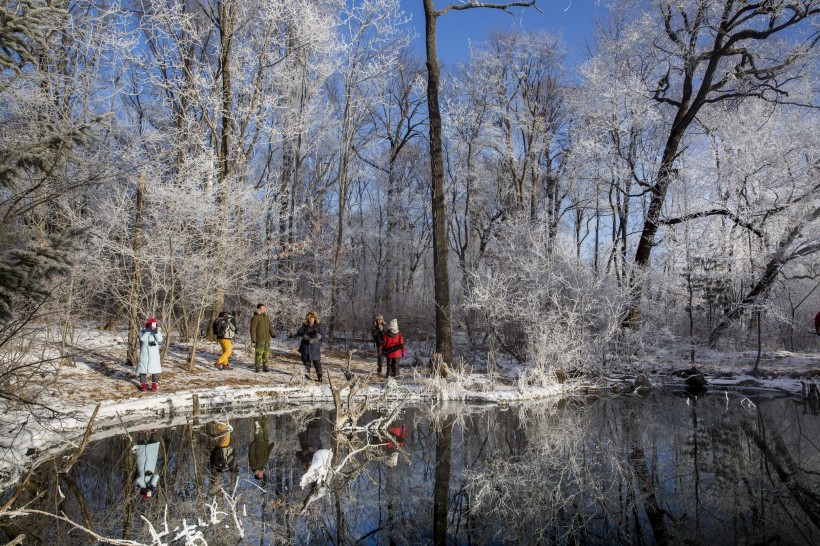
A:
(572, 20)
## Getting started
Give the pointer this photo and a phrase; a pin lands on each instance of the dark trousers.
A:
(392, 367)
(316, 364)
(379, 360)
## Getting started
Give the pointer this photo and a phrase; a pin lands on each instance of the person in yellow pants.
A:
(225, 331)
(223, 454)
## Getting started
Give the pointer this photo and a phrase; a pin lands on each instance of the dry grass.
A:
(102, 375)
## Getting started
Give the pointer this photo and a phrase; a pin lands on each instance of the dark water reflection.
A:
(625, 470)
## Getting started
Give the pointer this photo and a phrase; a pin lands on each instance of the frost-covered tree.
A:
(504, 116)
(614, 140)
(767, 193)
(56, 151)
(709, 53)
(396, 118)
(208, 107)
(49, 124)
(371, 37)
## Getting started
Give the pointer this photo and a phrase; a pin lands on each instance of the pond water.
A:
(659, 469)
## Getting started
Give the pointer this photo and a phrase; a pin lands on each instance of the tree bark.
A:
(136, 277)
(344, 171)
(441, 275)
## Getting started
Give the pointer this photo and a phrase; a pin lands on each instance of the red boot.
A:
(153, 387)
(144, 387)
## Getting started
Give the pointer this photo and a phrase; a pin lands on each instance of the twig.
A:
(84, 443)
(19, 490)
(100, 538)
(232, 501)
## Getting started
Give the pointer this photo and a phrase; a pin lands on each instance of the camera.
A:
(152, 343)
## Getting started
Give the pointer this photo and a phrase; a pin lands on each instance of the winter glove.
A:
(315, 339)
(306, 337)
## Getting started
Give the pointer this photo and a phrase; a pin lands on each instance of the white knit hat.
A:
(394, 326)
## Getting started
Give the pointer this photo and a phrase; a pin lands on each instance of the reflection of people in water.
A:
(310, 440)
(399, 432)
(147, 449)
(223, 455)
(260, 448)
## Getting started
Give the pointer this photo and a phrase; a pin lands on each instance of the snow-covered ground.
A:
(97, 374)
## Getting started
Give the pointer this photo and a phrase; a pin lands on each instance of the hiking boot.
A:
(154, 387)
(227, 367)
(265, 369)
(144, 387)
(256, 370)
(218, 366)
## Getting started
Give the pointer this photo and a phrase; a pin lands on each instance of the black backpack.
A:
(220, 326)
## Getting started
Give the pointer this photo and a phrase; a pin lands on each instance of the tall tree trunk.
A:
(441, 275)
(443, 471)
(643, 253)
(227, 12)
(390, 258)
(644, 482)
(290, 153)
(285, 193)
(136, 276)
(344, 167)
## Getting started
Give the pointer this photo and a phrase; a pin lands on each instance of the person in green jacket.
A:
(260, 448)
(261, 333)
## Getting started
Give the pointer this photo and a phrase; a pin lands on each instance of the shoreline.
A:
(36, 444)
(97, 374)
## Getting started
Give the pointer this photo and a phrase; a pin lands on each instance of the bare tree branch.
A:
(493, 5)
(711, 212)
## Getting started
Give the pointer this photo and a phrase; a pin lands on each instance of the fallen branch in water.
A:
(84, 443)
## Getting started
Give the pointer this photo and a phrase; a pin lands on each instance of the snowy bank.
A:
(98, 375)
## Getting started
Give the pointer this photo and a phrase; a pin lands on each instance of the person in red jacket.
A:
(393, 348)
(817, 323)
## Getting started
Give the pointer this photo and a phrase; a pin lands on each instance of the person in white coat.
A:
(147, 477)
(149, 361)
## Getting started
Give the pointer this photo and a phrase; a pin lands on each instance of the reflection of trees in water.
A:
(570, 472)
(629, 470)
(553, 485)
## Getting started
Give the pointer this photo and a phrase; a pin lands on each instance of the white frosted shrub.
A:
(547, 306)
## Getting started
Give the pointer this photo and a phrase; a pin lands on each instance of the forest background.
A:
(176, 158)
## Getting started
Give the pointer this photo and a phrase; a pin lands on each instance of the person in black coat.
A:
(310, 440)
(377, 332)
(310, 335)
